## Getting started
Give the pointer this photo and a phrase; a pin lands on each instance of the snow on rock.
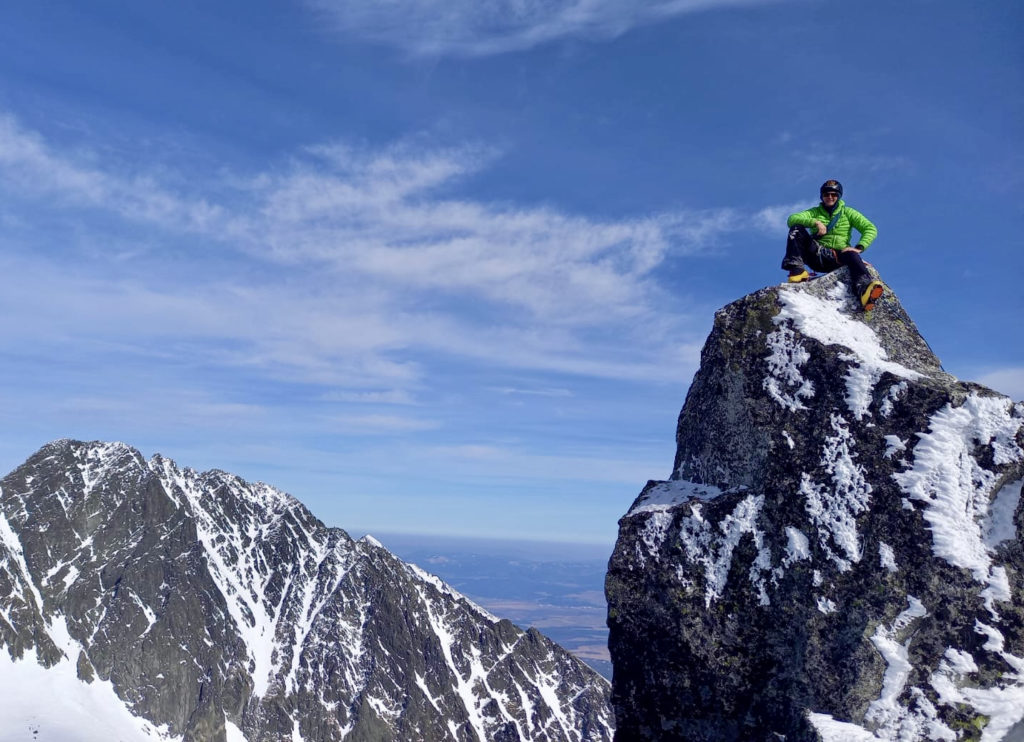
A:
(705, 544)
(838, 554)
(1003, 705)
(666, 495)
(887, 557)
(234, 554)
(234, 734)
(894, 445)
(893, 643)
(954, 486)
(713, 548)
(818, 318)
(785, 384)
(798, 547)
(86, 712)
(209, 602)
(998, 526)
(833, 507)
(832, 730)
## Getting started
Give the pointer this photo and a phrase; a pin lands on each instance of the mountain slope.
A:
(839, 552)
(213, 607)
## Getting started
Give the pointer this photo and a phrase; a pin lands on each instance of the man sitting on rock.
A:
(832, 221)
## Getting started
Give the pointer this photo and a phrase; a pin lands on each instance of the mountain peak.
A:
(842, 518)
(205, 604)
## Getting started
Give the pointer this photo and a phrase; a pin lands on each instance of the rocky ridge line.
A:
(217, 609)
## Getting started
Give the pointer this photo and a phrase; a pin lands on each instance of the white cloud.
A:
(173, 407)
(364, 217)
(388, 397)
(547, 392)
(345, 268)
(816, 161)
(380, 424)
(772, 219)
(31, 166)
(1009, 381)
(514, 463)
(485, 27)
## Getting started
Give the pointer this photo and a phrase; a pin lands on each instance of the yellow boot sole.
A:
(871, 295)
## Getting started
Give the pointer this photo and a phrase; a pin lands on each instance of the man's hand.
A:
(852, 249)
(822, 229)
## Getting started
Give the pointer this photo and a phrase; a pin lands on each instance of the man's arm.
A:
(806, 218)
(862, 224)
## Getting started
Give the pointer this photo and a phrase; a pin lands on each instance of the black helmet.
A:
(832, 186)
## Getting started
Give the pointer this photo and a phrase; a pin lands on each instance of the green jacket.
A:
(839, 236)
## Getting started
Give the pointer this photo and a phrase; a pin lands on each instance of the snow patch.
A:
(895, 393)
(798, 547)
(886, 557)
(860, 384)
(999, 525)
(448, 590)
(886, 711)
(653, 535)
(894, 445)
(822, 320)
(785, 384)
(955, 489)
(1002, 704)
(834, 507)
(712, 548)
(832, 730)
(87, 712)
(233, 555)
(998, 590)
(234, 734)
(666, 495)
(961, 662)
(10, 540)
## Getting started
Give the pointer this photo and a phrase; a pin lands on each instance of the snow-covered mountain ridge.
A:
(839, 553)
(215, 609)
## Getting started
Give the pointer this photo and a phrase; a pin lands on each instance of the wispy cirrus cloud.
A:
(344, 266)
(380, 424)
(473, 28)
(815, 161)
(772, 219)
(32, 166)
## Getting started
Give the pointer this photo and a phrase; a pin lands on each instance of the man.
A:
(831, 223)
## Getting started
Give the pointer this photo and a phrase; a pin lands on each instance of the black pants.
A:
(802, 250)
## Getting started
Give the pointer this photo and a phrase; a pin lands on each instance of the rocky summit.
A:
(169, 604)
(839, 552)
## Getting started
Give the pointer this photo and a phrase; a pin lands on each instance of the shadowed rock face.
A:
(839, 552)
(206, 600)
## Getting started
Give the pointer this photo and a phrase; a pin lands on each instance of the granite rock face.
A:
(216, 606)
(839, 553)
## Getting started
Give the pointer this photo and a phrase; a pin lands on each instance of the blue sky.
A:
(447, 267)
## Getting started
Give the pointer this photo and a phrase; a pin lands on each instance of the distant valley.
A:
(558, 588)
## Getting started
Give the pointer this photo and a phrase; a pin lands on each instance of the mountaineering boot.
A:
(799, 276)
(871, 293)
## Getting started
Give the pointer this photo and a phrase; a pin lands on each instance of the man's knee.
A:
(850, 257)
